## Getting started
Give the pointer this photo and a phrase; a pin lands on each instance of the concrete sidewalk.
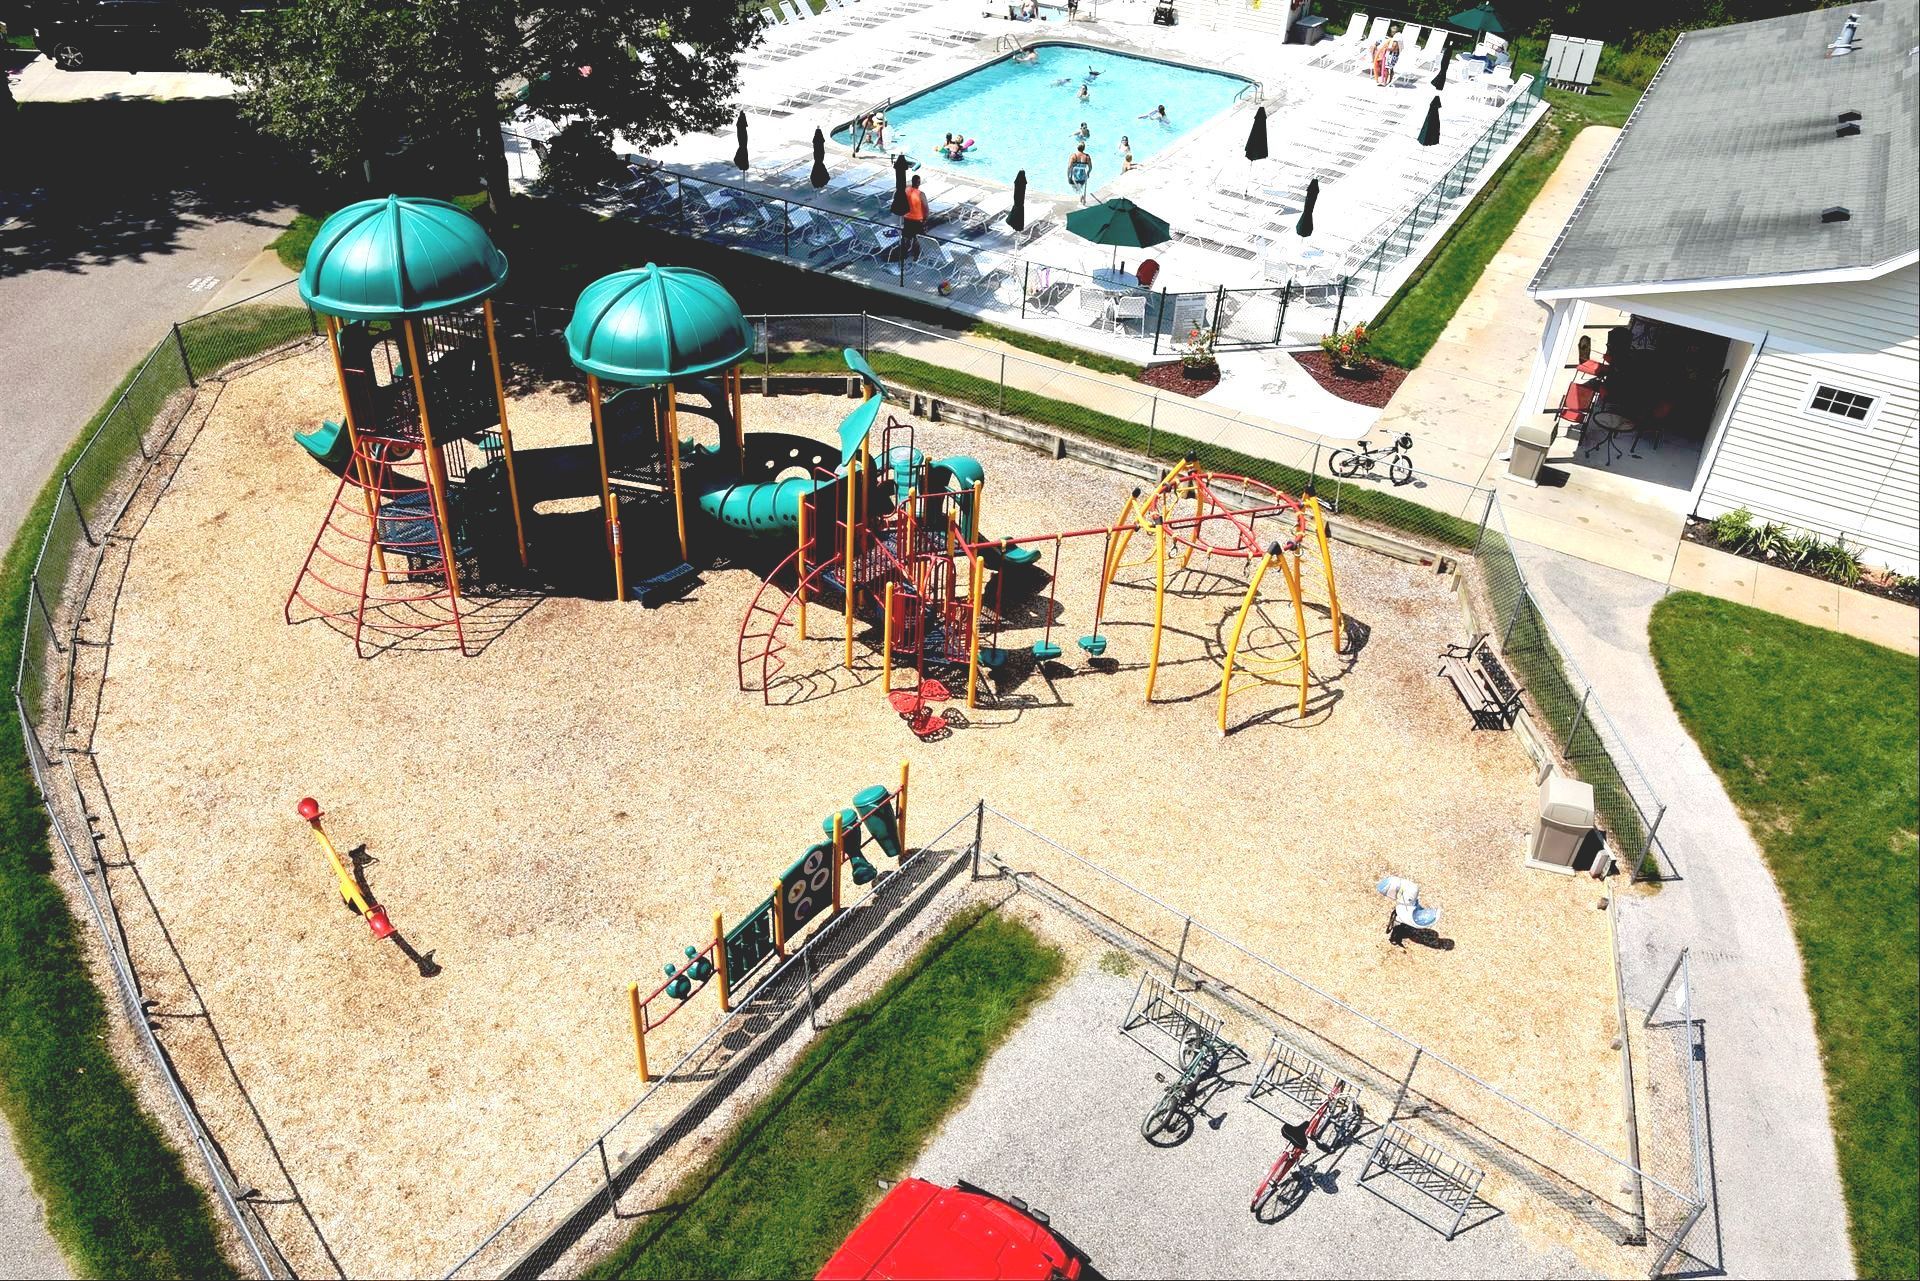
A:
(1777, 1207)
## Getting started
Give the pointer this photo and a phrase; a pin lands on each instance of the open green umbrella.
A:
(1480, 18)
(1119, 222)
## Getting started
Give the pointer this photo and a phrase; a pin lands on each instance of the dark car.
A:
(90, 35)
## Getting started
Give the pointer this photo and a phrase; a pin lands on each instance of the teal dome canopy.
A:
(401, 256)
(654, 324)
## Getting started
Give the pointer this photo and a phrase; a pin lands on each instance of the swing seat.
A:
(1045, 651)
(992, 659)
(1094, 646)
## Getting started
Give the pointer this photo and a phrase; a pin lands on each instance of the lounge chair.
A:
(930, 264)
(772, 18)
(969, 279)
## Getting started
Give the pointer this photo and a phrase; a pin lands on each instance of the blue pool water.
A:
(1025, 115)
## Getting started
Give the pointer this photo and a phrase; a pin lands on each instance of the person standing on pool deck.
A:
(914, 221)
(1079, 171)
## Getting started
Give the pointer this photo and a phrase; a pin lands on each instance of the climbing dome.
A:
(657, 324)
(399, 257)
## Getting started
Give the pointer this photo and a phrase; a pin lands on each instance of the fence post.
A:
(786, 230)
(979, 822)
(1652, 828)
(1003, 383)
(1026, 285)
(606, 1175)
(866, 343)
(806, 968)
(1394, 1111)
(1180, 957)
(66, 483)
(1153, 417)
(1340, 304)
(1519, 602)
(1579, 713)
(1485, 515)
(186, 365)
(1666, 983)
(46, 613)
(313, 324)
(1280, 325)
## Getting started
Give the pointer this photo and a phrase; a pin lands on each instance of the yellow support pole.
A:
(779, 928)
(1239, 626)
(639, 1032)
(720, 962)
(673, 464)
(619, 548)
(853, 489)
(436, 473)
(606, 489)
(1290, 566)
(506, 434)
(1326, 564)
(358, 464)
(802, 593)
(975, 583)
(839, 841)
(886, 643)
(900, 811)
(1159, 602)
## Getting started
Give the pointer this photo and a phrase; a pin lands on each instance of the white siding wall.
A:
(1811, 471)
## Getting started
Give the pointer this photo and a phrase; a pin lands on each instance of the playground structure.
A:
(806, 892)
(350, 891)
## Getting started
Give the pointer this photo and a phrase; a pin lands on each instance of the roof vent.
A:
(1848, 130)
(1838, 213)
(1843, 44)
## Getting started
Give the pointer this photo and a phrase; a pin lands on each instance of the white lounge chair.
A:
(796, 10)
(772, 18)
(1356, 27)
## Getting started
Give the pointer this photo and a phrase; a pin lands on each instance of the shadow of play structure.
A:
(433, 496)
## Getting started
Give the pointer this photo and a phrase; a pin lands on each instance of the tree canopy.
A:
(349, 80)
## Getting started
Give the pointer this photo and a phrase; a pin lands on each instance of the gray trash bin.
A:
(1566, 817)
(1308, 30)
(1531, 441)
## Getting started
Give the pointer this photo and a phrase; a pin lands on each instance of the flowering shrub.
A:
(1197, 353)
(1348, 347)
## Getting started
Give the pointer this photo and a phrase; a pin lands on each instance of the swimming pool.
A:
(1025, 115)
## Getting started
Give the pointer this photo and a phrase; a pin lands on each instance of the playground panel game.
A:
(558, 815)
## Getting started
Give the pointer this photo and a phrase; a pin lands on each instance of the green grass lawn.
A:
(799, 1172)
(1814, 735)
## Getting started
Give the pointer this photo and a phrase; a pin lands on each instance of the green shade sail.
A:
(655, 324)
(398, 257)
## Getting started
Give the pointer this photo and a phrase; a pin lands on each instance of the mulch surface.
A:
(1375, 387)
(1873, 583)
(1168, 377)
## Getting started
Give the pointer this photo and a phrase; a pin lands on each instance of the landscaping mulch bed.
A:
(1375, 387)
(1871, 582)
(1168, 377)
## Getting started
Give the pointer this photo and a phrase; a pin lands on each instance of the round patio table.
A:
(1607, 426)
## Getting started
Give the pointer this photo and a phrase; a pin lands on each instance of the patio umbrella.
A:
(819, 175)
(1430, 131)
(740, 153)
(1017, 216)
(1305, 226)
(1119, 222)
(899, 205)
(1480, 18)
(1257, 136)
(1446, 57)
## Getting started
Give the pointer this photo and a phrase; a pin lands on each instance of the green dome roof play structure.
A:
(398, 257)
(657, 324)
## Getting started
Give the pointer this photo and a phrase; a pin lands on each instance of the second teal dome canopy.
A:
(655, 324)
(401, 256)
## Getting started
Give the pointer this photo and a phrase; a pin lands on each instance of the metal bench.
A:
(1482, 682)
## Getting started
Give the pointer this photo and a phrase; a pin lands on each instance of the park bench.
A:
(1482, 683)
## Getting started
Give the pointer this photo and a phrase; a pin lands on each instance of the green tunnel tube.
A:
(863, 871)
(880, 820)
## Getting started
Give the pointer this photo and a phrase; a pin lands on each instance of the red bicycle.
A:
(1338, 1117)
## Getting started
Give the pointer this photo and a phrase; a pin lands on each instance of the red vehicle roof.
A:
(923, 1232)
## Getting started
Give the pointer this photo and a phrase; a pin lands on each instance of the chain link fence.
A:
(1565, 706)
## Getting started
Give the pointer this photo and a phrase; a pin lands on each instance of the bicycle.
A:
(1338, 1112)
(1201, 1055)
(1364, 459)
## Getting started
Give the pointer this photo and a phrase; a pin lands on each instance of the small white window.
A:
(1825, 400)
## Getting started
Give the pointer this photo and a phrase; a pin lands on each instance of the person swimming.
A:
(1027, 55)
(1158, 114)
(1126, 154)
(1082, 133)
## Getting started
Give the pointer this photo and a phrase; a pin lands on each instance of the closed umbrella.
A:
(1430, 131)
(1017, 216)
(1305, 226)
(1480, 18)
(1119, 222)
(1446, 57)
(740, 152)
(1257, 136)
(819, 175)
(899, 205)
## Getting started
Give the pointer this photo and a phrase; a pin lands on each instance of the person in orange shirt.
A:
(914, 222)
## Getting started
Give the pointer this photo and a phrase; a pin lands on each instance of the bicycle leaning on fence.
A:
(1171, 1119)
(1363, 460)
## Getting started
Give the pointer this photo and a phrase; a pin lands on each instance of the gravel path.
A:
(1056, 1120)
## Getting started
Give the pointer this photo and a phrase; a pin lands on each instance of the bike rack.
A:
(1297, 1075)
(1428, 1170)
(1157, 1005)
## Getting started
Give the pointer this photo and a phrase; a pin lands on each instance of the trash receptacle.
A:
(1308, 30)
(1531, 442)
(1566, 817)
